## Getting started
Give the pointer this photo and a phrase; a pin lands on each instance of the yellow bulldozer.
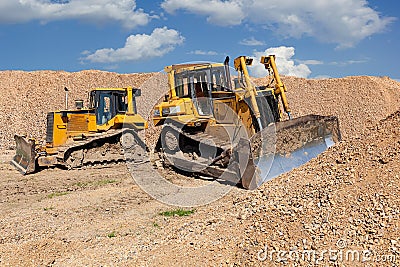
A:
(221, 125)
(105, 132)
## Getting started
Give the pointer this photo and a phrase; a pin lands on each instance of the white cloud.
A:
(344, 22)
(85, 52)
(140, 47)
(96, 11)
(222, 13)
(284, 62)
(349, 62)
(310, 62)
(204, 53)
(251, 42)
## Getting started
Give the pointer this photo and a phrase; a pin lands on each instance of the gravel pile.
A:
(357, 101)
(346, 199)
(26, 97)
(344, 202)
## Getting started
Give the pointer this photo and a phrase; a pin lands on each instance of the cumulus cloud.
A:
(222, 13)
(203, 53)
(349, 62)
(310, 62)
(284, 61)
(334, 21)
(96, 11)
(140, 46)
(251, 42)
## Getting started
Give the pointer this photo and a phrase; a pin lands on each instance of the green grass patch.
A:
(156, 225)
(177, 212)
(95, 183)
(104, 182)
(112, 234)
(81, 184)
(57, 194)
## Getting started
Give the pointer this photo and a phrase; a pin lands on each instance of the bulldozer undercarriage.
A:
(194, 152)
(247, 161)
(113, 147)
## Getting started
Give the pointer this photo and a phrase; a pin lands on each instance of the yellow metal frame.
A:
(280, 88)
(188, 113)
(63, 132)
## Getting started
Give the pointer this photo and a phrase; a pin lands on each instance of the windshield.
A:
(219, 79)
(109, 103)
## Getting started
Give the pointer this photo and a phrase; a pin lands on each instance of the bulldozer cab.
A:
(194, 84)
(203, 84)
(109, 103)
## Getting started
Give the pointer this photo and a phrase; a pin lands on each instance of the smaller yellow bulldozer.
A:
(233, 130)
(103, 133)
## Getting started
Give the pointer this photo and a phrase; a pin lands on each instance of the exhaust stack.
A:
(66, 98)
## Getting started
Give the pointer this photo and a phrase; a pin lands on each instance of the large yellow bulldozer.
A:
(104, 132)
(222, 125)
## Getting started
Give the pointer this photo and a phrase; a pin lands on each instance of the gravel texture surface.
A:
(26, 97)
(341, 204)
(357, 101)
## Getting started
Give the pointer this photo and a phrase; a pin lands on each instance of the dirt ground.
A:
(345, 201)
(340, 205)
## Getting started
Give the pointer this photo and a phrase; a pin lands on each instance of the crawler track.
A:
(104, 149)
(196, 152)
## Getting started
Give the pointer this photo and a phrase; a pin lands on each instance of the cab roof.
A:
(113, 89)
(191, 66)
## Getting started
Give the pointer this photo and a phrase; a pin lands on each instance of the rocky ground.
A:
(340, 205)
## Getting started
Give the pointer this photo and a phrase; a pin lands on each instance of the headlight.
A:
(165, 111)
(156, 112)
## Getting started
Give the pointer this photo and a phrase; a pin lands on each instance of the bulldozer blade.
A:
(286, 145)
(25, 157)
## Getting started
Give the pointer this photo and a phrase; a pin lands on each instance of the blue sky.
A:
(324, 38)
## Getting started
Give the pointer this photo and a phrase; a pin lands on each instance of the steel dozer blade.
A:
(284, 146)
(25, 156)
